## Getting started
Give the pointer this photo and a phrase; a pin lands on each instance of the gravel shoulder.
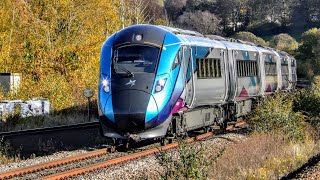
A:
(149, 168)
(310, 172)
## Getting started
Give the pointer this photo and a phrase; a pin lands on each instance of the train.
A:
(159, 82)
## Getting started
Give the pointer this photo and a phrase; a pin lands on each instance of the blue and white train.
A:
(158, 82)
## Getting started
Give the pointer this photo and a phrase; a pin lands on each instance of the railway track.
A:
(309, 170)
(49, 129)
(73, 166)
(48, 140)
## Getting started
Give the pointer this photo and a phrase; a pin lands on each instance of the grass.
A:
(262, 156)
(189, 162)
(6, 154)
(258, 156)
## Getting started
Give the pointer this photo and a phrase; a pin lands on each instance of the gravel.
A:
(149, 168)
(143, 168)
(312, 172)
(60, 155)
(40, 160)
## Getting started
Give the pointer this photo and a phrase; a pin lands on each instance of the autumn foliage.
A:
(55, 45)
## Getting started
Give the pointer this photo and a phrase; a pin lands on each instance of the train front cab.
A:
(140, 106)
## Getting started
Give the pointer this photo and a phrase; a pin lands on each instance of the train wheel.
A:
(223, 126)
(207, 129)
(170, 141)
(164, 141)
(125, 143)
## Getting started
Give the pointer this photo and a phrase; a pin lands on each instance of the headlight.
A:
(105, 85)
(160, 85)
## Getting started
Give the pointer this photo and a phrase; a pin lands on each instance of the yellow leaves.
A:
(55, 45)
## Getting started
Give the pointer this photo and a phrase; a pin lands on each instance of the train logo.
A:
(131, 82)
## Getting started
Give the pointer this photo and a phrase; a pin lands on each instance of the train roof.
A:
(264, 49)
(194, 38)
(239, 46)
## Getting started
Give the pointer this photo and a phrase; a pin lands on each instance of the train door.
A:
(187, 63)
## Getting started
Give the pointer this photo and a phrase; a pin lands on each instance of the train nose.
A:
(130, 108)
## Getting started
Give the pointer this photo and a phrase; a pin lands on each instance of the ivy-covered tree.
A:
(309, 54)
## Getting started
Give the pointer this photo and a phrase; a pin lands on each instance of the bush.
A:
(190, 162)
(248, 36)
(309, 53)
(6, 153)
(264, 29)
(275, 114)
(308, 102)
(284, 42)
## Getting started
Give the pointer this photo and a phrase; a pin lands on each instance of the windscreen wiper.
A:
(129, 73)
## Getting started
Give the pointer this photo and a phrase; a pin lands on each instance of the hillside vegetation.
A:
(55, 45)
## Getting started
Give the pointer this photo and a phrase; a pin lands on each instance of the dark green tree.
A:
(309, 54)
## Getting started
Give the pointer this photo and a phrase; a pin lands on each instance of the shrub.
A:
(275, 114)
(261, 156)
(284, 42)
(308, 102)
(248, 36)
(264, 29)
(190, 162)
(309, 52)
(6, 153)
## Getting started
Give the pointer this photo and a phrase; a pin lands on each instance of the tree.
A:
(55, 45)
(133, 12)
(201, 21)
(309, 53)
(306, 14)
(175, 8)
(202, 5)
(284, 42)
(157, 13)
(250, 37)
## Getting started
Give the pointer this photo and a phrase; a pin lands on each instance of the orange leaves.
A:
(55, 45)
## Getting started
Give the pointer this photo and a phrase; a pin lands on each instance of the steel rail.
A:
(71, 173)
(49, 129)
(79, 171)
(26, 170)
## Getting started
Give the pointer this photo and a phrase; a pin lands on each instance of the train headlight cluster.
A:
(160, 85)
(105, 85)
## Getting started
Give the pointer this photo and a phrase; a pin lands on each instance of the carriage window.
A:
(292, 63)
(284, 69)
(284, 66)
(137, 58)
(176, 61)
(293, 70)
(209, 68)
(246, 68)
(271, 68)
